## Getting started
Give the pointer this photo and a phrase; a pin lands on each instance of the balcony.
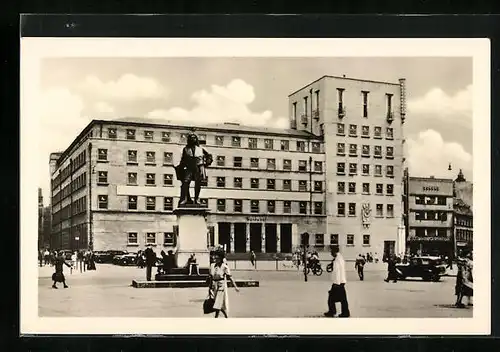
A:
(390, 117)
(315, 114)
(341, 111)
(303, 119)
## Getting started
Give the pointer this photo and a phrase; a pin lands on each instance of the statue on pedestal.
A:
(192, 167)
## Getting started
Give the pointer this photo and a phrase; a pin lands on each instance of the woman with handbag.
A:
(218, 295)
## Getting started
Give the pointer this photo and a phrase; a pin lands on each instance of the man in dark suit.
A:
(150, 261)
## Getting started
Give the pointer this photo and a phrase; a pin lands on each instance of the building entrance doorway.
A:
(225, 235)
(240, 237)
(286, 238)
(271, 240)
(255, 237)
(389, 248)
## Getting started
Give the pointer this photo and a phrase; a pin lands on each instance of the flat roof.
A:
(430, 179)
(346, 78)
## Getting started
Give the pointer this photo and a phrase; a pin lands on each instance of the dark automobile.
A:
(125, 259)
(428, 268)
(99, 256)
(107, 256)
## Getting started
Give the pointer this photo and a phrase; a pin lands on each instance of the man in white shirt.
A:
(338, 293)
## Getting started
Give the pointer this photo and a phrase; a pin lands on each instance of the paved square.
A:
(107, 292)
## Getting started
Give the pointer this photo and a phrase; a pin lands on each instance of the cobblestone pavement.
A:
(107, 292)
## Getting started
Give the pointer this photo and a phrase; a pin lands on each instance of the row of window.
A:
(466, 222)
(365, 131)
(365, 169)
(270, 164)
(169, 238)
(220, 140)
(79, 206)
(76, 184)
(464, 235)
(365, 151)
(334, 240)
(365, 188)
(430, 200)
(76, 164)
(431, 232)
(352, 210)
(431, 215)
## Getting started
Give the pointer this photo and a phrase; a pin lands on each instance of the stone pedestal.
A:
(192, 236)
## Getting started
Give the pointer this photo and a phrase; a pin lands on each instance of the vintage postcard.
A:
(288, 183)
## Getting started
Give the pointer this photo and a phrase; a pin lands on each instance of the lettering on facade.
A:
(430, 188)
(257, 218)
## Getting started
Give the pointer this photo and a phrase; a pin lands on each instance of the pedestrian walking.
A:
(91, 261)
(391, 269)
(253, 259)
(218, 276)
(80, 259)
(40, 258)
(337, 292)
(46, 257)
(150, 261)
(464, 283)
(58, 275)
(360, 265)
(74, 260)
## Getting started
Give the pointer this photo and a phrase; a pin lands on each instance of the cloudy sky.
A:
(253, 91)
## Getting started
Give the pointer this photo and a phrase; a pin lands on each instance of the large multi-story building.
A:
(114, 187)
(463, 215)
(40, 219)
(430, 216)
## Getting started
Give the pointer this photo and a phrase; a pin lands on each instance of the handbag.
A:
(208, 305)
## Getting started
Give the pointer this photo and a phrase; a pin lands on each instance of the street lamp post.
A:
(304, 239)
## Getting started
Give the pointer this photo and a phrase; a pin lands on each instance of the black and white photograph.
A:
(182, 180)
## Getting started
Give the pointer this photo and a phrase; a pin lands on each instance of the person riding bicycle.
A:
(314, 259)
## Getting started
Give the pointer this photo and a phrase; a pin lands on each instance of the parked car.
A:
(426, 267)
(107, 256)
(99, 256)
(125, 259)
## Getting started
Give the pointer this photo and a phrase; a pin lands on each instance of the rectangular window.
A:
(168, 179)
(380, 188)
(254, 183)
(103, 202)
(221, 182)
(254, 163)
(420, 232)
(390, 190)
(303, 207)
(350, 240)
(221, 205)
(112, 133)
(340, 148)
(389, 153)
(165, 137)
(442, 233)
(148, 135)
(340, 168)
(271, 206)
(204, 202)
(132, 178)
(183, 138)
(254, 206)
(268, 144)
(353, 130)
(365, 131)
(318, 166)
(318, 208)
(380, 210)
(302, 186)
(390, 210)
(287, 165)
(366, 240)
(102, 155)
(287, 207)
(287, 185)
(365, 151)
(219, 140)
(365, 104)
(353, 169)
(352, 209)
(150, 179)
(168, 203)
(341, 209)
(378, 151)
(441, 200)
(102, 177)
(319, 240)
(302, 165)
(236, 141)
(150, 203)
(151, 238)
(252, 143)
(132, 202)
(340, 187)
(377, 132)
(352, 187)
(318, 186)
(431, 232)
(132, 238)
(419, 200)
(238, 182)
(132, 156)
(334, 240)
(150, 157)
(221, 160)
(419, 215)
(378, 170)
(353, 150)
(390, 171)
(238, 206)
(168, 158)
(316, 147)
(301, 146)
(389, 133)
(340, 129)
(169, 239)
(366, 188)
(340, 94)
(130, 134)
(271, 164)
(366, 169)
(271, 184)
(285, 145)
(389, 103)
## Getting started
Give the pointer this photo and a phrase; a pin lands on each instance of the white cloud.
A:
(222, 104)
(127, 87)
(103, 110)
(437, 103)
(429, 155)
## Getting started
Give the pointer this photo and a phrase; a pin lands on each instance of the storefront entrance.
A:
(286, 238)
(240, 237)
(256, 237)
(271, 240)
(225, 235)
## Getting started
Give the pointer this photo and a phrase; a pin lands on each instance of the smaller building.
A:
(463, 215)
(430, 216)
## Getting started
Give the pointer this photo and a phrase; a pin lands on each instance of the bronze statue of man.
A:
(192, 167)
